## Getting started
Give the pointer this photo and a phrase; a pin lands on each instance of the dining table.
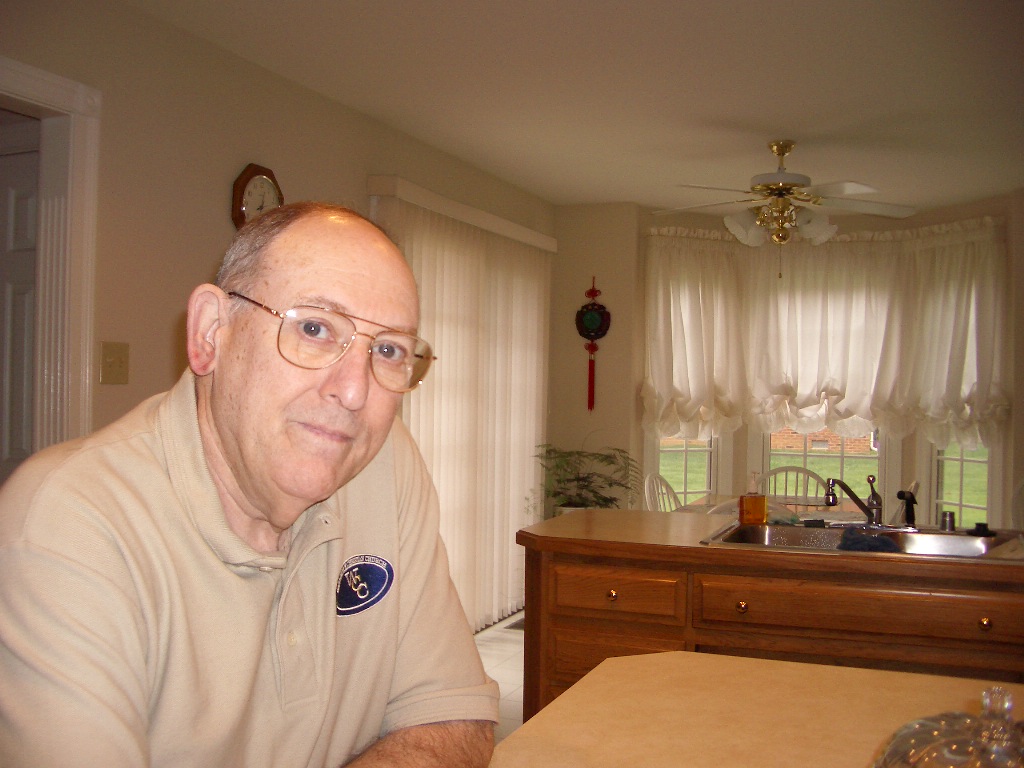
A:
(699, 710)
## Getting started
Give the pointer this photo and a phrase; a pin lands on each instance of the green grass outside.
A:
(692, 476)
(975, 485)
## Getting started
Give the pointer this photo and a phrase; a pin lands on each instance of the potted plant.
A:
(589, 479)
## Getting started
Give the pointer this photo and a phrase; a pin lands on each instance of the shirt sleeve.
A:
(71, 691)
(438, 674)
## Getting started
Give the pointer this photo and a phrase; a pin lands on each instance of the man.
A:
(246, 570)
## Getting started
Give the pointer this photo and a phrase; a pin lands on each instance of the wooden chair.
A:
(793, 485)
(660, 495)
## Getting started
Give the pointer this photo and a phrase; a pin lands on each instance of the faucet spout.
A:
(872, 508)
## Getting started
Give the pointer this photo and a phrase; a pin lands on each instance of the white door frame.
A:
(69, 169)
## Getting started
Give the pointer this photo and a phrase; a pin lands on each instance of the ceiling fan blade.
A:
(715, 189)
(889, 210)
(755, 200)
(839, 188)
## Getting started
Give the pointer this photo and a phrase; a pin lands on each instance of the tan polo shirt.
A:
(136, 629)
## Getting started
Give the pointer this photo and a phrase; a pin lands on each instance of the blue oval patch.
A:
(363, 582)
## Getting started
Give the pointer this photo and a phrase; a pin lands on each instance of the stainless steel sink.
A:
(911, 542)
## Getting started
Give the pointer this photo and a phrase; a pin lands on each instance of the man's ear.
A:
(207, 317)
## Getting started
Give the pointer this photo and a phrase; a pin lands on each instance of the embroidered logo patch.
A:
(364, 581)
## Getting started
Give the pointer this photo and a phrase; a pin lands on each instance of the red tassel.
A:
(590, 385)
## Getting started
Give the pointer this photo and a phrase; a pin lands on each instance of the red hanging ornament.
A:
(592, 323)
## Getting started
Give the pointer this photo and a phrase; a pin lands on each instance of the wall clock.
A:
(255, 191)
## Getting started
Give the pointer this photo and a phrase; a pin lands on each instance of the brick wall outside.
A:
(824, 441)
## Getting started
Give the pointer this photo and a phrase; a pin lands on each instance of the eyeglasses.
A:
(315, 337)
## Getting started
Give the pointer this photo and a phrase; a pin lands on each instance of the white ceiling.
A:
(582, 101)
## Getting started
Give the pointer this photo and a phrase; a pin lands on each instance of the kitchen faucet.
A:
(872, 509)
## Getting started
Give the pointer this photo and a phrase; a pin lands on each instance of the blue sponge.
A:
(855, 540)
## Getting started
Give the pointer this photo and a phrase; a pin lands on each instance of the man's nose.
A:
(350, 378)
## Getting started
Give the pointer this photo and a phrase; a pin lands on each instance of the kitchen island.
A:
(609, 583)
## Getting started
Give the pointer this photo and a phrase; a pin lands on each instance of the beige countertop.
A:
(695, 710)
(676, 537)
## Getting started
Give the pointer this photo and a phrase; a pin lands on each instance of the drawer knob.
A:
(741, 606)
(613, 595)
(985, 624)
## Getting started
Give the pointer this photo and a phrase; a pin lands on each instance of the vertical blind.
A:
(480, 413)
(903, 331)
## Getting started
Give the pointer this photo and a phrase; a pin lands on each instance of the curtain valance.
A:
(899, 330)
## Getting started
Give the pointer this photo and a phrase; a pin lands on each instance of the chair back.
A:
(793, 485)
(660, 495)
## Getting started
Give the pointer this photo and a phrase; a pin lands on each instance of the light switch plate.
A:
(113, 362)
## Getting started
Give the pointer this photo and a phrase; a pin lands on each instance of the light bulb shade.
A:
(744, 227)
(814, 226)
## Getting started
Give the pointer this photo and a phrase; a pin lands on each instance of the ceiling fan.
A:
(787, 201)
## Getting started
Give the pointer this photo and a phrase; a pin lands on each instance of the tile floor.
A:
(501, 649)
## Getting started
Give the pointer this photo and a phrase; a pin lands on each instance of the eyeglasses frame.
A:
(282, 316)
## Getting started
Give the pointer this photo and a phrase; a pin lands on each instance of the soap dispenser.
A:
(753, 506)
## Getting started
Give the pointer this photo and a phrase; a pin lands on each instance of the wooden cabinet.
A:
(615, 583)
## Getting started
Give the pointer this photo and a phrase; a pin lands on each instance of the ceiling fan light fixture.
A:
(776, 221)
(814, 226)
(744, 227)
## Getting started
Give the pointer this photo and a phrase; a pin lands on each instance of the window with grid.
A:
(961, 484)
(850, 459)
(686, 465)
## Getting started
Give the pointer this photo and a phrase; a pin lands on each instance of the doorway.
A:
(62, 355)
(19, 180)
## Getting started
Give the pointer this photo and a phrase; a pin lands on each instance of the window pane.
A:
(961, 484)
(697, 471)
(829, 455)
(673, 464)
(686, 465)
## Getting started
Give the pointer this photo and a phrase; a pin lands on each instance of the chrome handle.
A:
(985, 623)
(741, 606)
(613, 595)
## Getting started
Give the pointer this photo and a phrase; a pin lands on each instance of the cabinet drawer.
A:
(623, 591)
(791, 603)
(575, 652)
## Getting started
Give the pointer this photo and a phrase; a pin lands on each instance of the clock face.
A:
(260, 195)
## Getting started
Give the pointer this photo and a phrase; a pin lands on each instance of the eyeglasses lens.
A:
(314, 338)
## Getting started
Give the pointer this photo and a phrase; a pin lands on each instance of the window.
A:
(961, 484)
(686, 465)
(850, 459)
(914, 326)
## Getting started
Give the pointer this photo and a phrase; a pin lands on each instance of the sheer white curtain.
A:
(480, 413)
(902, 331)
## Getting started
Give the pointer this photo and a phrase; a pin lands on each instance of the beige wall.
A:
(600, 242)
(179, 121)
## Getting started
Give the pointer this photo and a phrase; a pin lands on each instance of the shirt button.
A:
(293, 639)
